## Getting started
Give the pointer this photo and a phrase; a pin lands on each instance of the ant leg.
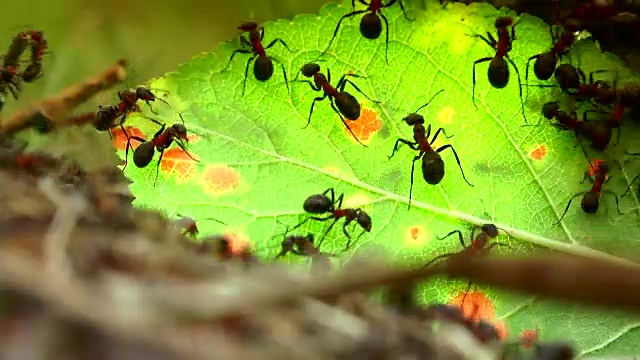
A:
(126, 152)
(278, 40)
(333, 106)
(413, 167)
(335, 32)
(526, 73)
(435, 136)
(386, 38)
(186, 152)
(465, 294)
(332, 192)
(457, 160)
(519, 86)
(326, 232)
(246, 73)
(338, 201)
(460, 237)
(567, 208)
(444, 3)
(346, 233)
(443, 256)
(630, 185)
(319, 98)
(473, 88)
(494, 244)
(284, 74)
(358, 90)
(158, 168)
(313, 87)
(404, 11)
(430, 100)
(489, 41)
(239, 51)
(615, 197)
(412, 145)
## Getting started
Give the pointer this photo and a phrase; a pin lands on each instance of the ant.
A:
(189, 226)
(545, 63)
(482, 330)
(129, 98)
(38, 49)
(597, 131)
(321, 204)
(480, 246)
(301, 245)
(432, 164)
(221, 247)
(343, 103)
(262, 63)
(498, 72)
(370, 25)
(9, 80)
(598, 173)
(162, 139)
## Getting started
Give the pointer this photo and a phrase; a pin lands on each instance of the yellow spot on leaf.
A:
(445, 116)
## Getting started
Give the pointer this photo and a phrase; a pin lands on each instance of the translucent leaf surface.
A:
(258, 165)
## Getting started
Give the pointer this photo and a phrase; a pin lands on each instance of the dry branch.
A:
(50, 113)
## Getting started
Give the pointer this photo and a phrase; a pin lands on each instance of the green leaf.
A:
(263, 165)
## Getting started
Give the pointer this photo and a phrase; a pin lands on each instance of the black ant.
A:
(189, 226)
(321, 204)
(303, 246)
(480, 246)
(129, 98)
(590, 203)
(161, 141)
(343, 103)
(597, 131)
(38, 49)
(432, 164)
(263, 64)
(498, 72)
(370, 25)
(545, 63)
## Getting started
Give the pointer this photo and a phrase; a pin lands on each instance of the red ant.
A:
(190, 227)
(221, 247)
(432, 164)
(111, 116)
(129, 98)
(591, 199)
(545, 63)
(598, 132)
(38, 49)
(480, 246)
(343, 103)
(498, 72)
(321, 204)
(301, 245)
(161, 141)
(370, 25)
(263, 64)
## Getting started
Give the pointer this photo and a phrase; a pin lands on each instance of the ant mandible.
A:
(498, 72)
(162, 139)
(480, 246)
(263, 64)
(370, 25)
(545, 63)
(343, 103)
(432, 164)
(321, 204)
(590, 203)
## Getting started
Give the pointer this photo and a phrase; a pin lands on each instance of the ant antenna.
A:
(205, 219)
(428, 102)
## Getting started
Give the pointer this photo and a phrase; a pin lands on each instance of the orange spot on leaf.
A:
(415, 235)
(120, 140)
(538, 153)
(528, 338)
(365, 126)
(220, 179)
(238, 243)
(478, 306)
(175, 160)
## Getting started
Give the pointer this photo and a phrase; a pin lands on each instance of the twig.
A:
(48, 113)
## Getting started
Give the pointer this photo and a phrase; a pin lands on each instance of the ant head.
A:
(558, 350)
(248, 26)
(143, 154)
(550, 109)
(180, 131)
(364, 220)
(35, 35)
(491, 230)
(590, 202)
(413, 119)
(371, 26)
(568, 76)
(503, 21)
(317, 204)
(310, 69)
(144, 93)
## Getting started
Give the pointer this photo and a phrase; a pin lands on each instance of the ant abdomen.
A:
(432, 168)
(364, 220)
(263, 68)
(549, 110)
(544, 66)
(554, 351)
(413, 119)
(590, 202)
(317, 204)
(348, 105)
(567, 77)
(371, 26)
(143, 154)
(498, 73)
